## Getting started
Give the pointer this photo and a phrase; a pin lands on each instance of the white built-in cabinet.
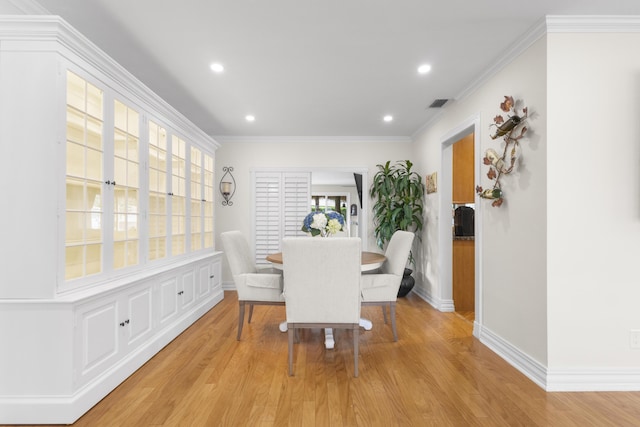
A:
(111, 327)
(66, 343)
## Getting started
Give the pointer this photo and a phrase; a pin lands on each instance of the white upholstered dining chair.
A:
(381, 288)
(322, 286)
(254, 286)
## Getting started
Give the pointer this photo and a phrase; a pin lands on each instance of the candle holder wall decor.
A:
(511, 130)
(227, 186)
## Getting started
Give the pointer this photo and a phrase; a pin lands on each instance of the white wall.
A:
(594, 199)
(513, 243)
(247, 156)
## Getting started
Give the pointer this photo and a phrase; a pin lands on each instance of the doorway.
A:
(445, 293)
(463, 213)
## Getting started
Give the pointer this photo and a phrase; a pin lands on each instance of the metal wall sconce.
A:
(227, 185)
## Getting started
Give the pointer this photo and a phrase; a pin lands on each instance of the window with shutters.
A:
(280, 203)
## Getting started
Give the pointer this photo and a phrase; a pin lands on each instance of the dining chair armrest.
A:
(379, 280)
(258, 280)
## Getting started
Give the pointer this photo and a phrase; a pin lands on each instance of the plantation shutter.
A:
(297, 197)
(281, 201)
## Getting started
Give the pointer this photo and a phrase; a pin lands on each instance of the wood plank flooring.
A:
(437, 374)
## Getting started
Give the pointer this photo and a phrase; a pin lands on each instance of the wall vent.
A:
(438, 103)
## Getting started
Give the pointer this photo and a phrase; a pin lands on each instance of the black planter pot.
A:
(407, 283)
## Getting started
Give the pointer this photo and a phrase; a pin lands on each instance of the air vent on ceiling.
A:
(438, 103)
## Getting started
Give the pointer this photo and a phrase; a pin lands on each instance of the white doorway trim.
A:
(470, 125)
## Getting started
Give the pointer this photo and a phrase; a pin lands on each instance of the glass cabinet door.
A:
(196, 199)
(208, 201)
(84, 179)
(157, 191)
(128, 178)
(126, 185)
(178, 195)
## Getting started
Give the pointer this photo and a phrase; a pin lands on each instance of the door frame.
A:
(445, 298)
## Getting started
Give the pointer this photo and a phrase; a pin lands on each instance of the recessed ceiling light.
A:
(250, 118)
(424, 68)
(387, 118)
(217, 68)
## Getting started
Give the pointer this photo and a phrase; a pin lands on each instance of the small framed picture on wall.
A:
(432, 184)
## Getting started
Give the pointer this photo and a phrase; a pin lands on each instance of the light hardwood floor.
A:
(437, 374)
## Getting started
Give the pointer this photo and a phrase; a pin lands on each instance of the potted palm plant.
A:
(398, 193)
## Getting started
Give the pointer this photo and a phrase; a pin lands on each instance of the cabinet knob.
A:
(181, 292)
(121, 323)
(212, 276)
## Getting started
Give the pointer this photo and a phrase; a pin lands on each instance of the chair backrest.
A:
(322, 279)
(238, 253)
(397, 253)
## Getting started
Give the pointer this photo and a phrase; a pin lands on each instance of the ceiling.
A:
(329, 68)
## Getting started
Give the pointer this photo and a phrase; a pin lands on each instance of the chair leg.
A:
(356, 334)
(240, 318)
(291, 333)
(392, 309)
(250, 313)
(384, 312)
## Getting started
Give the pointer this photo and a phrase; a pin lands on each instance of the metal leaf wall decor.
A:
(511, 130)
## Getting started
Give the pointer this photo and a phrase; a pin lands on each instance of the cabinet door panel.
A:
(99, 328)
(140, 315)
(168, 306)
(188, 288)
(216, 275)
(205, 285)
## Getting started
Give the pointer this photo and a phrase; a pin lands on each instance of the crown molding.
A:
(549, 24)
(509, 55)
(593, 24)
(54, 34)
(222, 139)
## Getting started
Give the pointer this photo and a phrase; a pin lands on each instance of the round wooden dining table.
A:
(369, 261)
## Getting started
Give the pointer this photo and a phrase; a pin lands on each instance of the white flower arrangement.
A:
(324, 224)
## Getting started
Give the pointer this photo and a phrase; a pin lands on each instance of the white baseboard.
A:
(67, 409)
(552, 380)
(229, 286)
(438, 304)
(562, 380)
(611, 379)
(531, 368)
